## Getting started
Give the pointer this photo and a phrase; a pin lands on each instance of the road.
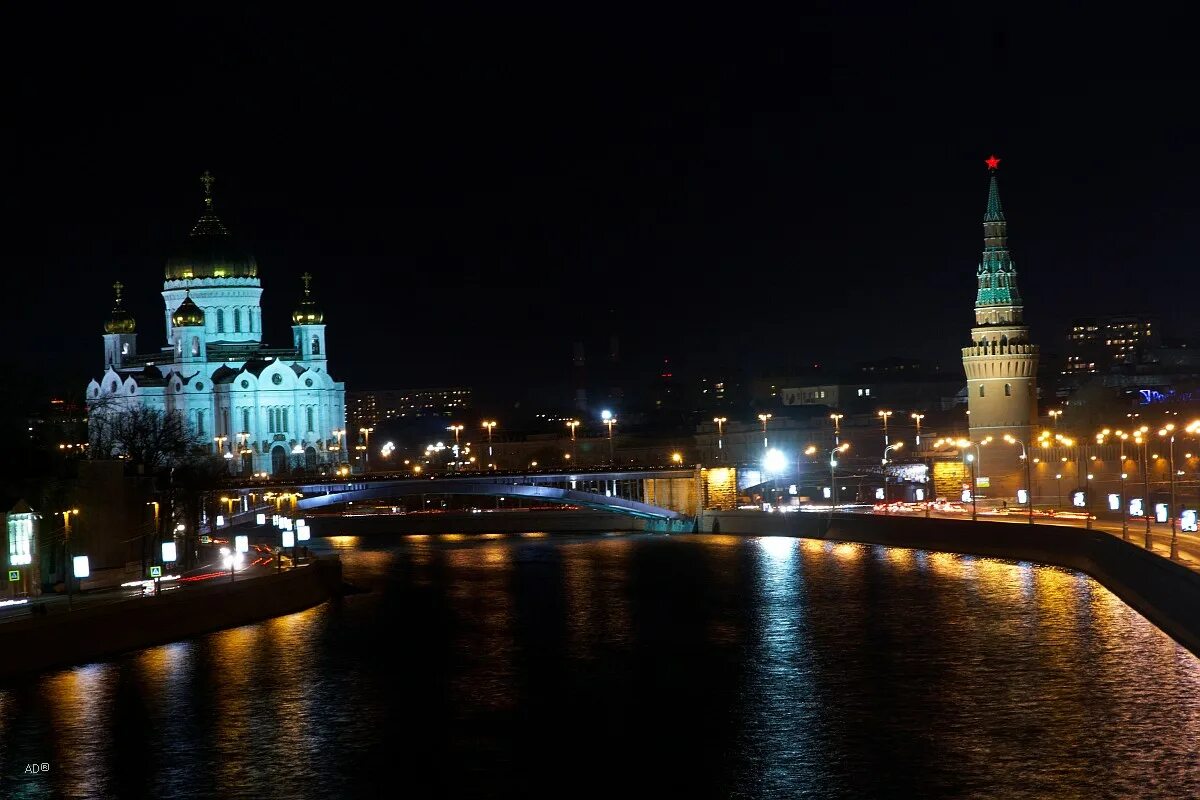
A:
(1189, 543)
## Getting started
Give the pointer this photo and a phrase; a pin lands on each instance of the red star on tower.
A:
(992, 162)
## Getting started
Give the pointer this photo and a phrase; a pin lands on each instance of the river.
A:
(632, 665)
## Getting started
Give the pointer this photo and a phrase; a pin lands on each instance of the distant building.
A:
(1098, 344)
(364, 409)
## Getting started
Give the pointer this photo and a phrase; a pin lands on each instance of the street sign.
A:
(205, 539)
(156, 572)
(14, 575)
(984, 482)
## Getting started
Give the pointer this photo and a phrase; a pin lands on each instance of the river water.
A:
(684, 666)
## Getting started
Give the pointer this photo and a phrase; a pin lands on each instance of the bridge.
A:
(652, 494)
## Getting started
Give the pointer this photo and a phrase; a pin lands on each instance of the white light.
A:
(303, 534)
(169, 552)
(1022, 496)
(606, 415)
(1160, 512)
(289, 539)
(879, 493)
(1079, 499)
(920, 494)
(792, 489)
(1114, 502)
(300, 523)
(220, 520)
(179, 527)
(966, 495)
(775, 461)
(81, 568)
(1135, 507)
(242, 543)
(825, 491)
(260, 519)
(1188, 523)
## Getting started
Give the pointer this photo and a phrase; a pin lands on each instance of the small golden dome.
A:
(188, 314)
(307, 313)
(121, 320)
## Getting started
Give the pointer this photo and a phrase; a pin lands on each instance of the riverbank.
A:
(1163, 592)
(64, 638)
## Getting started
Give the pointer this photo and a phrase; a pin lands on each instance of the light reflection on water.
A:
(713, 665)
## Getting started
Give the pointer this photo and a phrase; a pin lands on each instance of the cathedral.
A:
(265, 409)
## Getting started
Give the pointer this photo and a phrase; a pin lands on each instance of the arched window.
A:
(195, 345)
(237, 320)
(316, 346)
(284, 427)
(200, 422)
(309, 417)
(220, 320)
(245, 420)
(981, 390)
(1007, 390)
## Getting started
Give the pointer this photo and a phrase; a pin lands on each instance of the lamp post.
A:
(1139, 437)
(720, 434)
(1028, 474)
(488, 425)
(366, 432)
(1054, 415)
(1168, 432)
(889, 448)
(68, 566)
(1058, 477)
(883, 415)
(974, 506)
(220, 444)
(837, 428)
(833, 490)
(609, 420)
(917, 418)
(338, 433)
(763, 419)
(573, 424)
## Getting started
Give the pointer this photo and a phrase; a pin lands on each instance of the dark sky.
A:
(473, 193)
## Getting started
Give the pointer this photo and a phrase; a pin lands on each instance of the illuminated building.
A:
(266, 409)
(1001, 363)
(369, 407)
(1097, 344)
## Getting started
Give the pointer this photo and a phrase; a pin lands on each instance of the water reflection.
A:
(754, 667)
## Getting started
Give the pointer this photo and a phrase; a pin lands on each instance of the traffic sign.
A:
(14, 575)
(156, 572)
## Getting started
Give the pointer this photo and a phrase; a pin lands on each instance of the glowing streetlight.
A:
(917, 418)
(837, 428)
(366, 432)
(720, 432)
(573, 424)
(609, 420)
(677, 458)
(488, 425)
(889, 448)
(763, 418)
(1028, 479)
(338, 433)
(883, 415)
(1054, 414)
(1168, 432)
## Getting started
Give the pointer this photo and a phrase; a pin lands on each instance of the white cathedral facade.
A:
(264, 409)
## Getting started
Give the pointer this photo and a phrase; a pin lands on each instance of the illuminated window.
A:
(316, 346)
(20, 539)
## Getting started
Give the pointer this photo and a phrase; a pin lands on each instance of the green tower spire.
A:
(997, 274)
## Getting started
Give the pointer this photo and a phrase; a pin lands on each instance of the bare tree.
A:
(152, 439)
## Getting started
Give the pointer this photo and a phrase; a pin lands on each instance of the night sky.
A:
(475, 193)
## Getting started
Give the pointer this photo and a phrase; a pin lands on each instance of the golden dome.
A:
(121, 320)
(188, 314)
(307, 312)
(210, 251)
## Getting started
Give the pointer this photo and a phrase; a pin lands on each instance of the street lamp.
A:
(609, 420)
(573, 424)
(720, 433)
(889, 448)
(833, 491)
(488, 425)
(883, 415)
(837, 428)
(220, 442)
(677, 458)
(1028, 479)
(68, 559)
(917, 418)
(1054, 415)
(338, 434)
(366, 432)
(1140, 437)
(1168, 432)
(763, 419)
